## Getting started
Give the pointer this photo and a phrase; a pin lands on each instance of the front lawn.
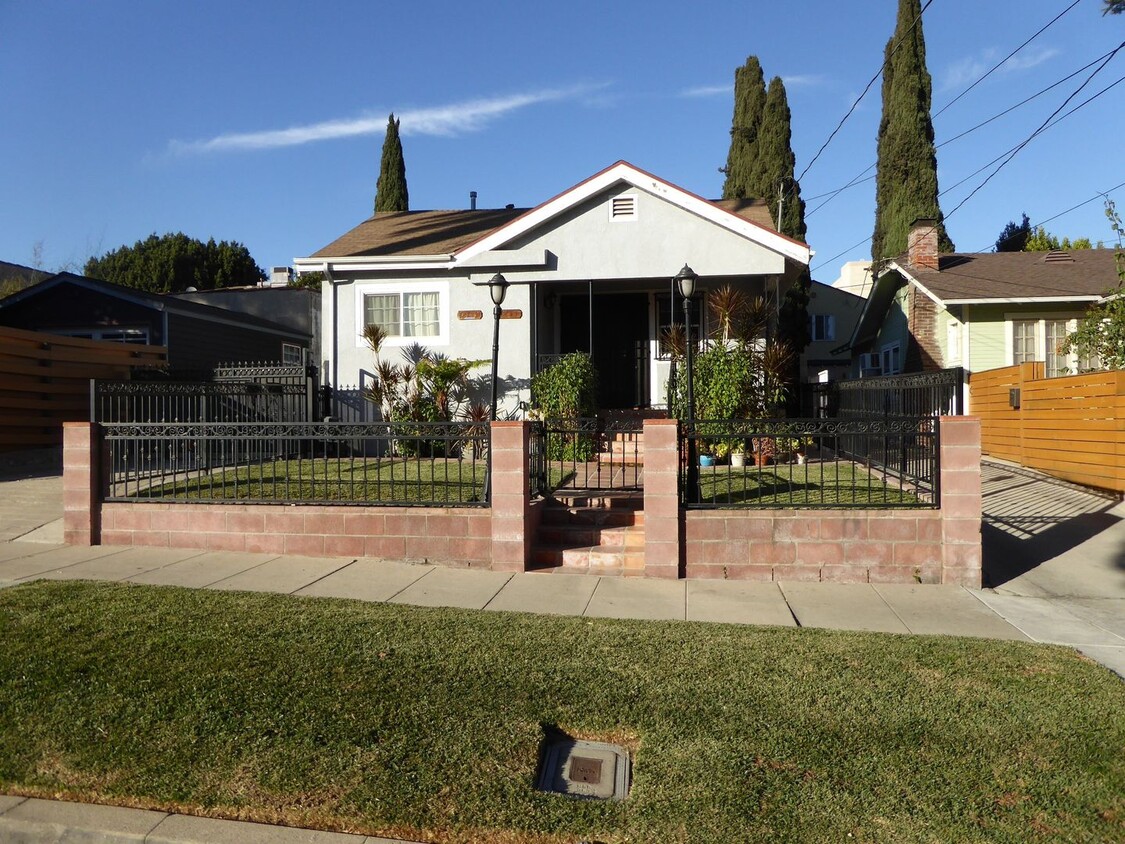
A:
(834, 483)
(426, 723)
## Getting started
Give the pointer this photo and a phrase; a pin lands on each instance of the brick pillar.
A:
(81, 483)
(663, 525)
(960, 500)
(512, 529)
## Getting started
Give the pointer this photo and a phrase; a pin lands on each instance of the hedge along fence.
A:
(45, 381)
(1072, 427)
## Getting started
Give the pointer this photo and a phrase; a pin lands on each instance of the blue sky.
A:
(262, 122)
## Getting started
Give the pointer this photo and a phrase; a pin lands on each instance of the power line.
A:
(997, 66)
(1046, 123)
(858, 180)
(1017, 147)
(878, 73)
(1100, 195)
(1043, 222)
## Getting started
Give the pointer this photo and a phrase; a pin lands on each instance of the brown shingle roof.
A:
(446, 232)
(417, 233)
(1019, 275)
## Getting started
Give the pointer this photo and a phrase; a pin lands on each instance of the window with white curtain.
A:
(1057, 360)
(406, 312)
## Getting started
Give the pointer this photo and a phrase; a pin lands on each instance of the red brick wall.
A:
(461, 536)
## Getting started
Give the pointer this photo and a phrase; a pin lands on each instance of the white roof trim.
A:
(379, 263)
(1084, 297)
(623, 172)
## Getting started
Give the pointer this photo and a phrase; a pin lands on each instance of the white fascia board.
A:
(622, 172)
(507, 258)
(388, 263)
(1025, 300)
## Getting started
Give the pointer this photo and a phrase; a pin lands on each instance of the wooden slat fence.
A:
(1071, 427)
(45, 381)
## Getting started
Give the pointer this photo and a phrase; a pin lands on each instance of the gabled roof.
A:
(417, 233)
(966, 278)
(458, 236)
(156, 301)
(980, 278)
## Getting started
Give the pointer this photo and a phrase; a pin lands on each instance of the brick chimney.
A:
(922, 244)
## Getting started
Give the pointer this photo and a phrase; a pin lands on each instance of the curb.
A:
(30, 820)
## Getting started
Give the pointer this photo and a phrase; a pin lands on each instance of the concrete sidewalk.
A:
(889, 608)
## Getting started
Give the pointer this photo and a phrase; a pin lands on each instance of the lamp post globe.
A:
(497, 289)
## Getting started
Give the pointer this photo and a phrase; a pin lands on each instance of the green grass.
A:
(825, 484)
(425, 723)
(397, 479)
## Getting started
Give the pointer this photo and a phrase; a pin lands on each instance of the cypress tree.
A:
(390, 191)
(906, 186)
(749, 100)
(773, 176)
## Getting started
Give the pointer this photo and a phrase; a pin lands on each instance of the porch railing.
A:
(821, 463)
(403, 464)
(587, 454)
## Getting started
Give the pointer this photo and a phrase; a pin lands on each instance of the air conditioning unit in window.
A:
(870, 364)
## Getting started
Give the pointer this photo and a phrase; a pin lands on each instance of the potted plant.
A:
(738, 455)
(763, 449)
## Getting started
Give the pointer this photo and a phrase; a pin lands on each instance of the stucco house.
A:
(979, 311)
(590, 270)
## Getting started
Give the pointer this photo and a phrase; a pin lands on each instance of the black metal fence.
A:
(237, 393)
(924, 394)
(403, 464)
(817, 463)
(595, 453)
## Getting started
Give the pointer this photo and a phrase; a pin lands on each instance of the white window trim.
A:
(1041, 317)
(954, 342)
(829, 323)
(891, 347)
(375, 288)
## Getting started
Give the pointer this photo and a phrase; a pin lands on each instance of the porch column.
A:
(960, 500)
(663, 524)
(512, 528)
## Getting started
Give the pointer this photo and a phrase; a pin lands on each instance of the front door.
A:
(620, 347)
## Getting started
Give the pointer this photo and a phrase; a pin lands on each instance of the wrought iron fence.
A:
(818, 463)
(259, 392)
(591, 453)
(431, 464)
(922, 394)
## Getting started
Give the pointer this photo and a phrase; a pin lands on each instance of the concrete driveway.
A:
(1054, 557)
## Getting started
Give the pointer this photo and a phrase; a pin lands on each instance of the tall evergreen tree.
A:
(906, 186)
(749, 100)
(390, 191)
(773, 176)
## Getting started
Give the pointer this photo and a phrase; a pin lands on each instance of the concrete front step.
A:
(601, 560)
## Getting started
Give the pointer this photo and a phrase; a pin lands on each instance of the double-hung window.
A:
(1025, 340)
(823, 326)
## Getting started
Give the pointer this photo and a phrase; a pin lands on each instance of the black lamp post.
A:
(685, 279)
(497, 289)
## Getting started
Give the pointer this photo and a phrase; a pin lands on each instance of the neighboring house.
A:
(591, 270)
(198, 337)
(979, 311)
(833, 314)
(296, 308)
(14, 277)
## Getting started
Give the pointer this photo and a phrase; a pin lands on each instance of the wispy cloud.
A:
(448, 120)
(802, 80)
(969, 69)
(707, 91)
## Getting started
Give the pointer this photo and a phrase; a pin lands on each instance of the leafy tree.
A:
(1114, 7)
(390, 191)
(906, 185)
(749, 101)
(1101, 333)
(1041, 240)
(1014, 237)
(172, 263)
(568, 390)
(308, 281)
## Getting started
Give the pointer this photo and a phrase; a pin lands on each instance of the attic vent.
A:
(623, 208)
(1058, 257)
